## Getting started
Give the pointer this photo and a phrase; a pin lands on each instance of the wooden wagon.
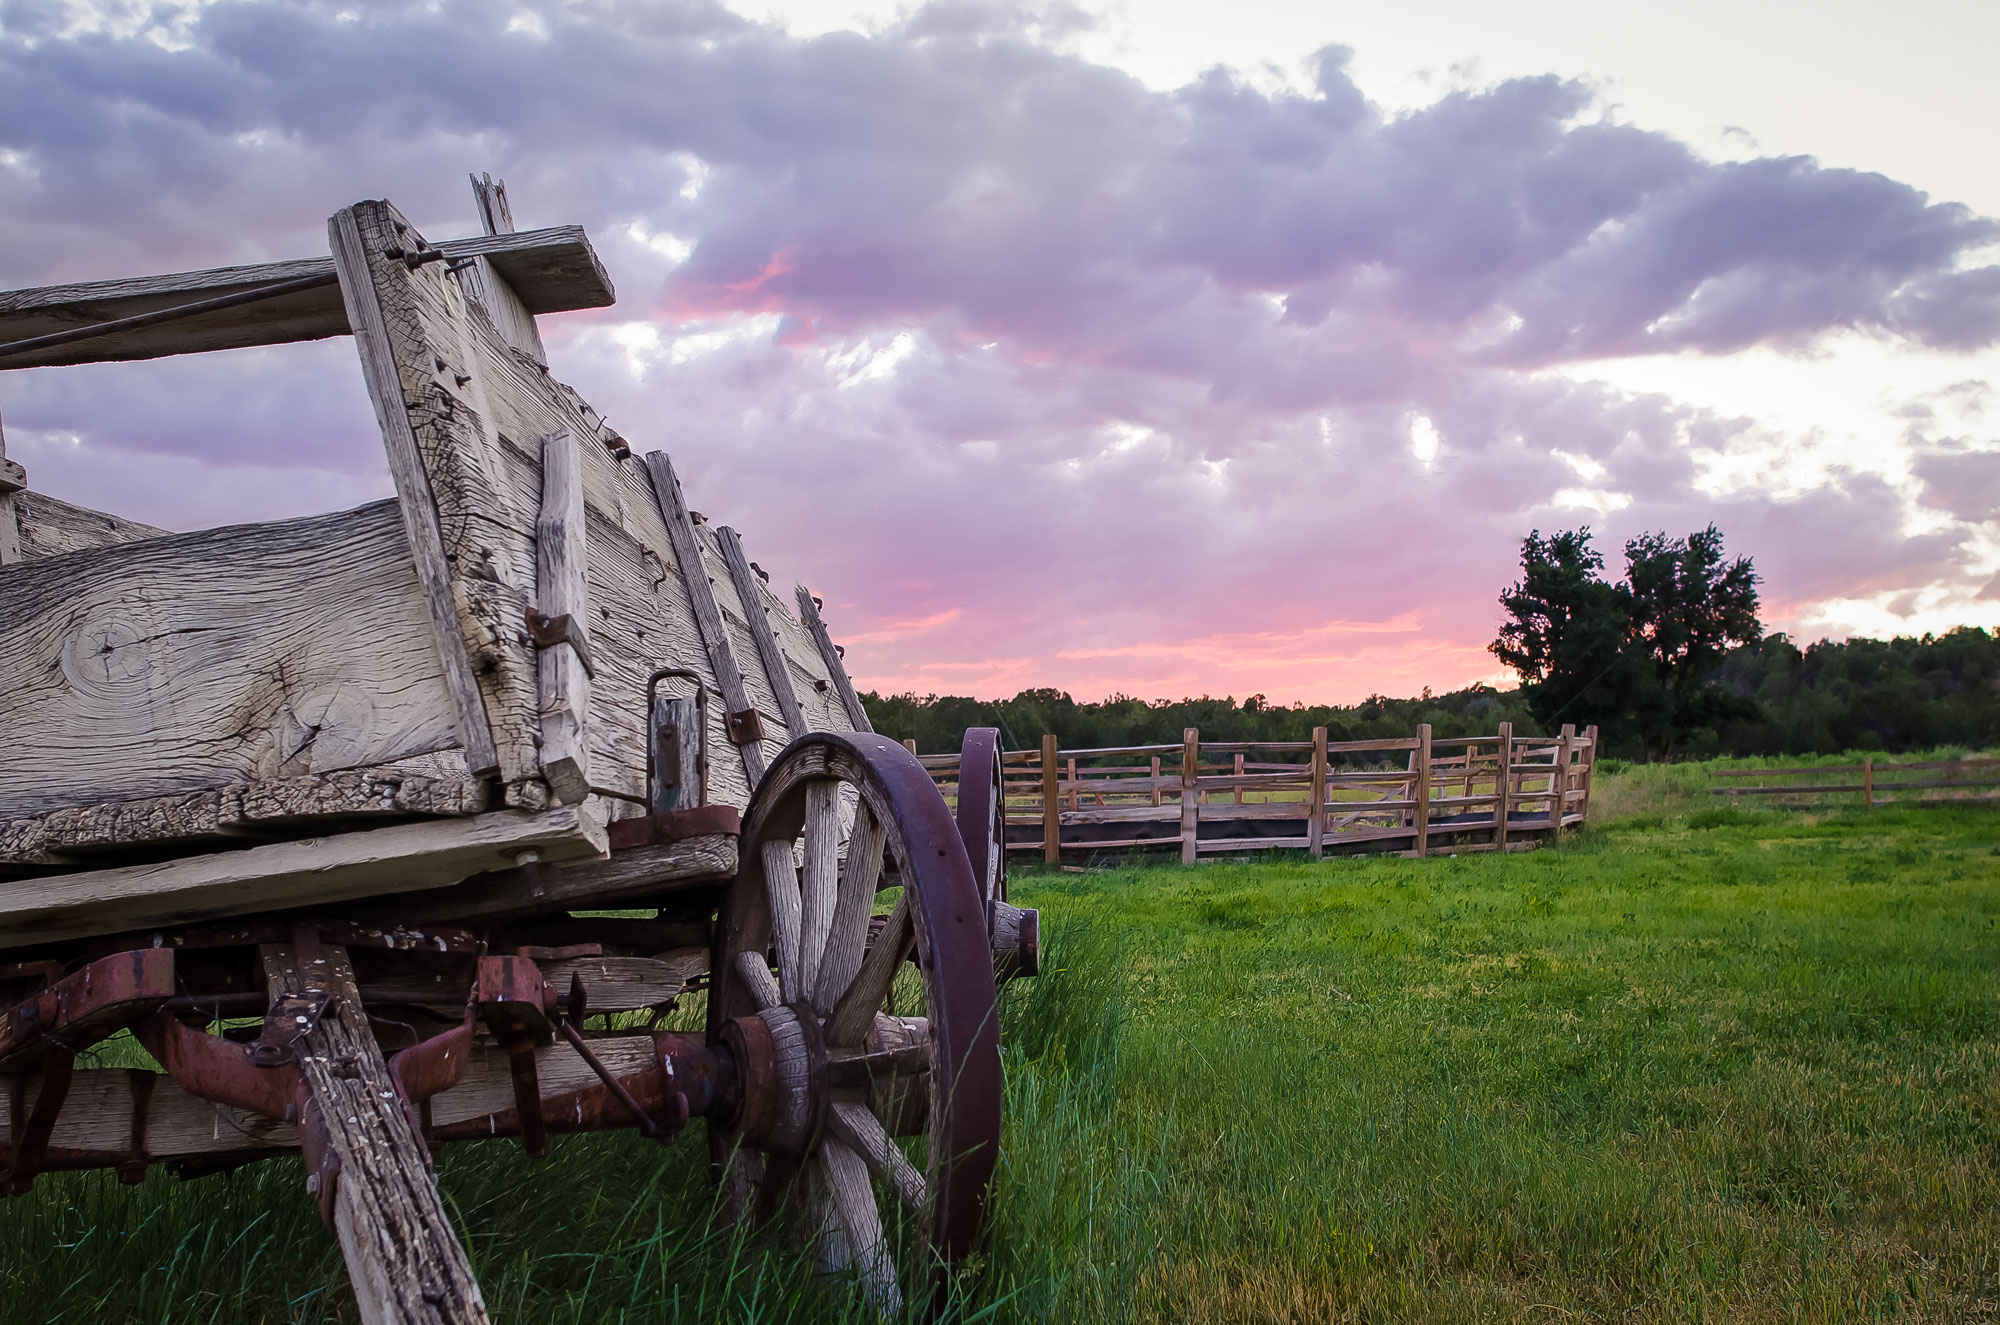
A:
(329, 812)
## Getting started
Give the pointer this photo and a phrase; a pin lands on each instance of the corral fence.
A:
(1881, 782)
(1412, 795)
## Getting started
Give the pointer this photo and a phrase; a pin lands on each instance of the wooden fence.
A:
(1875, 789)
(1413, 795)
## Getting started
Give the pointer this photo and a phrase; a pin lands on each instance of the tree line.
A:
(1667, 661)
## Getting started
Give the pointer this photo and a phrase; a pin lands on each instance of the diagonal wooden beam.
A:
(750, 593)
(829, 653)
(707, 613)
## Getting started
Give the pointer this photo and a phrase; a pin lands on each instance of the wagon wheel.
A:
(982, 811)
(831, 1075)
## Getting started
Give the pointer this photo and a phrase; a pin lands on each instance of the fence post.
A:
(1156, 781)
(1316, 815)
(1589, 769)
(1051, 803)
(1190, 769)
(1423, 797)
(1503, 792)
(1075, 794)
(1868, 781)
(910, 744)
(1559, 784)
(1239, 773)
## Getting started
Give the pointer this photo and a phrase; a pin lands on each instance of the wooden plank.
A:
(1190, 797)
(693, 862)
(403, 1256)
(52, 528)
(418, 508)
(98, 1116)
(750, 593)
(203, 820)
(483, 282)
(1218, 810)
(701, 594)
(562, 553)
(204, 660)
(404, 858)
(1119, 814)
(1051, 802)
(1211, 844)
(1503, 786)
(550, 271)
(1422, 795)
(829, 653)
(1354, 747)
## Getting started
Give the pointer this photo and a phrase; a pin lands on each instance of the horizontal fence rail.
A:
(1410, 795)
(1875, 788)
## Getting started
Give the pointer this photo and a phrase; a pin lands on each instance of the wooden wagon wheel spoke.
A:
(834, 1081)
(854, 1203)
(848, 937)
(781, 881)
(857, 1126)
(821, 884)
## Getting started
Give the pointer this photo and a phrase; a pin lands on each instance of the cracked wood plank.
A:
(196, 661)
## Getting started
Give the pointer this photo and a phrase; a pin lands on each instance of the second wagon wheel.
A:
(982, 811)
(846, 1048)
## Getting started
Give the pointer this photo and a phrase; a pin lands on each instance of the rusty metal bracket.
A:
(674, 826)
(576, 1007)
(81, 1009)
(286, 1022)
(550, 632)
(30, 1144)
(746, 727)
(219, 1071)
(514, 1000)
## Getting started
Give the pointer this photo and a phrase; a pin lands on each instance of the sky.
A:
(1142, 348)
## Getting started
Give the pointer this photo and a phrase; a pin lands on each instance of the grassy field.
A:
(1699, 1064)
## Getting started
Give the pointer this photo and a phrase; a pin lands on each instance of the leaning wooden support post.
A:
(418, 504)
(750, 593)
(563, 613)
(1190, 792)
(829, 653)
(1589, 775)
(1503, 790)
(707, 615)
(1423, 790)
(403, 1257)
(1316, 812)
(1868, 781)
(1051, 802)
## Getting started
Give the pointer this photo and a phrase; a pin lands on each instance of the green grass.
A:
(1703, 1063)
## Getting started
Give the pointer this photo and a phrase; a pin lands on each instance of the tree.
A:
(1687, 609)
(1637, 657)
(1568, 633)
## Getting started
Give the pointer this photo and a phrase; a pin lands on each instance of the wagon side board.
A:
(193, 662)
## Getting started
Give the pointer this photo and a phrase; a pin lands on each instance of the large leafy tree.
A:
(1636, 657)
(1689, 606)
(1567, 632)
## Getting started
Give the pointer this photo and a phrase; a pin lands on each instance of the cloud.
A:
(1037, 374)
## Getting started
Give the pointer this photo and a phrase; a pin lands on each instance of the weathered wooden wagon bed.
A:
(326, 811)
